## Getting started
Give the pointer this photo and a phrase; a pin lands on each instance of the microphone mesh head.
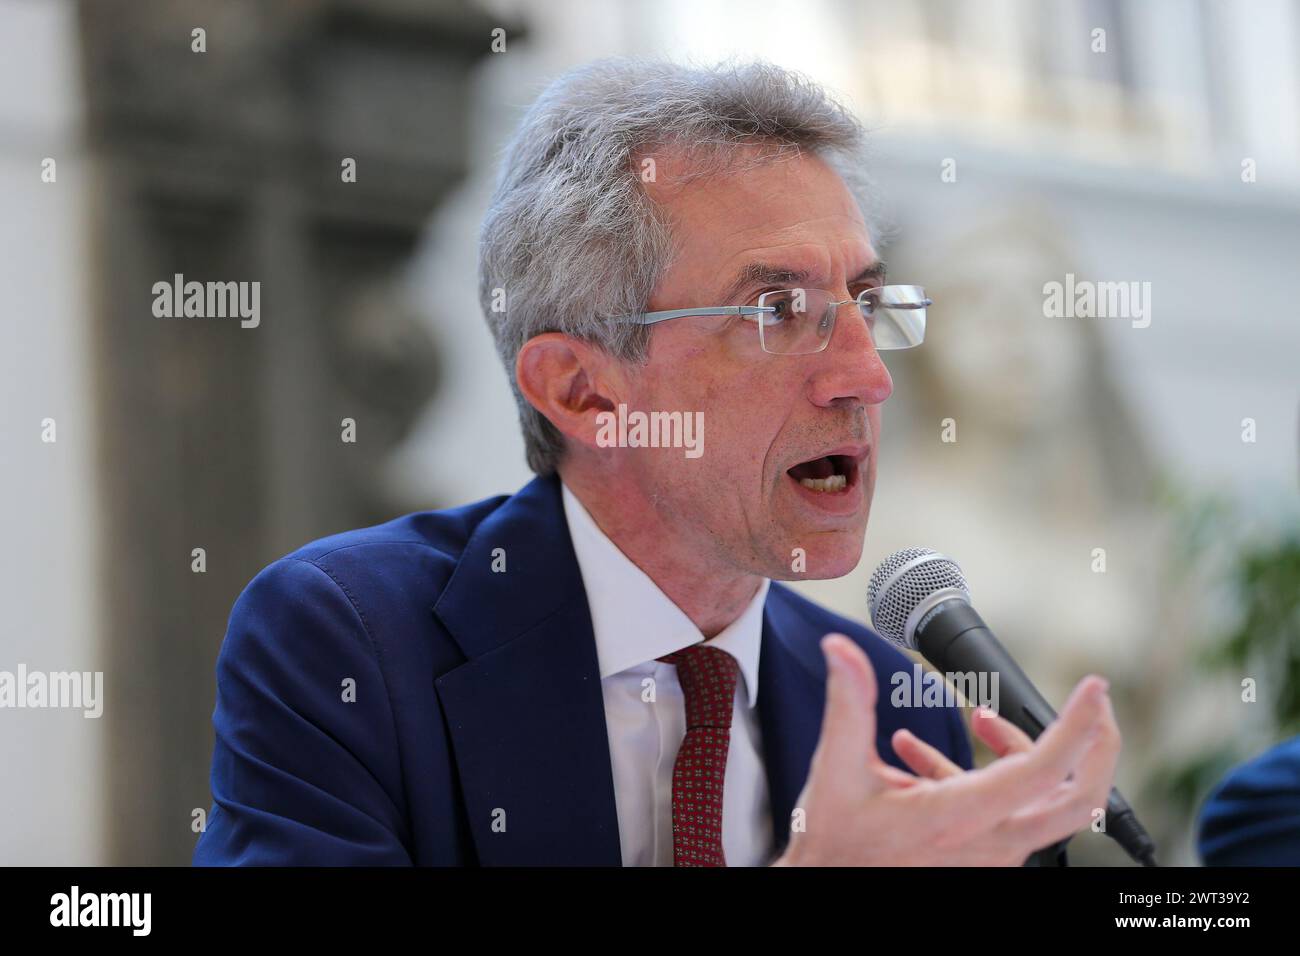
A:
(891, 596)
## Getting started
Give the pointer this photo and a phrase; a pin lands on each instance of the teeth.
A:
(833, 483)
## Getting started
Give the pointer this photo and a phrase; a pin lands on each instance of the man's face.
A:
(763, 414)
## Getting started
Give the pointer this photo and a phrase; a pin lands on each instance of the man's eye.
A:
(781, 312)
(870, 300)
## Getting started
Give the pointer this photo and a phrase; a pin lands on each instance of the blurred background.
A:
(1123, 499)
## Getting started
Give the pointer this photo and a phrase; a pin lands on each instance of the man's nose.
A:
(850, 366)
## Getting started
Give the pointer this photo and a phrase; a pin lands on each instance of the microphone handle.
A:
(954, 638)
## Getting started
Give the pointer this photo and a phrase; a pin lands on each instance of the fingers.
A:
(921, 758)
(1069, 806)
(1024, 777)
(895, 778)
(1095, 775)
(1001, 736)
(1099, 764)
(1072, 804)
(848, 735)
(1047, 822)
(1061, 747)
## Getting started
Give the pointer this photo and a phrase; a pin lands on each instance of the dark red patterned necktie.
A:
(708, 678)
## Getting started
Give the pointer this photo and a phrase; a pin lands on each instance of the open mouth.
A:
(829, 474)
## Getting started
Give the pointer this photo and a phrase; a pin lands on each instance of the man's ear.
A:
(569, 381)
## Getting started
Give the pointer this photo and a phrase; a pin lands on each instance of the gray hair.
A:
(570, 238)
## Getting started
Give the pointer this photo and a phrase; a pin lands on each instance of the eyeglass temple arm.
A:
(650, 318)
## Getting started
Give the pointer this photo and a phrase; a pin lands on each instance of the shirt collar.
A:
(634, 621)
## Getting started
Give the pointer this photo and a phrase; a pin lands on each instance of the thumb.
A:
(848, 735)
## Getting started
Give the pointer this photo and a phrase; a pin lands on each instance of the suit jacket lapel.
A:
(525, 711)
(791, 699)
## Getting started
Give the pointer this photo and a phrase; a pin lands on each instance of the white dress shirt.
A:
(635, 623)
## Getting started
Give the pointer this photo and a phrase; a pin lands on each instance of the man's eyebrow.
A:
(761, 273)
(874, 271)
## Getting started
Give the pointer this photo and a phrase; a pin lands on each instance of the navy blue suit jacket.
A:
(1253, 816)
(477, 699)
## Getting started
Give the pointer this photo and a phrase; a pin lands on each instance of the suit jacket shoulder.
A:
(321, 656)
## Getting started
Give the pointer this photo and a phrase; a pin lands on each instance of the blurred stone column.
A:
(225, 165)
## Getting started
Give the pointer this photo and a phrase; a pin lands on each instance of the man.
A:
(600, 669)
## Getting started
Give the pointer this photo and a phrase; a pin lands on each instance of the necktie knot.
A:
(707, 676)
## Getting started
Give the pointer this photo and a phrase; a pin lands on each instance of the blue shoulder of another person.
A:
(1253, 817)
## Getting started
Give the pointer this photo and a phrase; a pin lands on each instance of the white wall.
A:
(50, 763)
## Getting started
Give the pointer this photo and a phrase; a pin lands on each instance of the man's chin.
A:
(821, 556)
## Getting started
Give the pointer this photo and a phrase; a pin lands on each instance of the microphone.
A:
(919, 600)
